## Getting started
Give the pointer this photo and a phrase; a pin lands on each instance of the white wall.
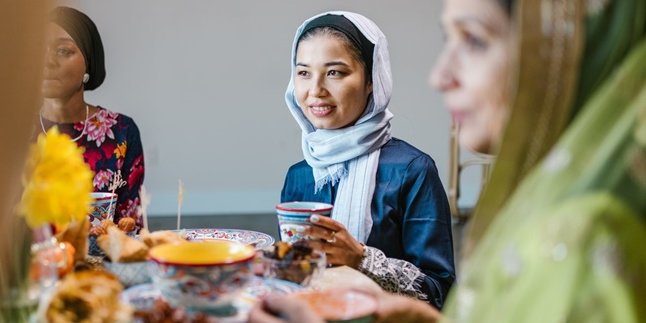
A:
(205, 80)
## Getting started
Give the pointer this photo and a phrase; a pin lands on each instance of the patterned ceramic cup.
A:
(103, 208)
(202, 276)
(294, 217)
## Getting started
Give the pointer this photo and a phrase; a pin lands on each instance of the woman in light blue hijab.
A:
(391, 218)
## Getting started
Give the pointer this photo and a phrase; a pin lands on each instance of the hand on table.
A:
(332, 238)
(282, 308)
(393, 308)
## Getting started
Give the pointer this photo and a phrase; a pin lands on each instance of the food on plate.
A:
(163, 312)
(98, 230)
(152, 239)
(127, 224)
(102, 228)
(88, 296)
(296, 262)
(119, 247)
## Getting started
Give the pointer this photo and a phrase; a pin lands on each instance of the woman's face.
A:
(473, 70)
(64, 64)
(329, 85)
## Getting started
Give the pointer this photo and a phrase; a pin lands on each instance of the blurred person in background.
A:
(74, 64)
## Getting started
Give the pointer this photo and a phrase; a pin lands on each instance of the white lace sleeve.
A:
(393, 275)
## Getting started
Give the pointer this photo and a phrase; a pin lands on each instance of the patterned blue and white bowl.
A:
(130, 273)
(294, 217)
(201, 275)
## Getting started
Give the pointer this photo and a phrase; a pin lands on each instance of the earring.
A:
(86, 77)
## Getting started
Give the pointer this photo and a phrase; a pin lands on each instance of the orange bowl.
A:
(200, 253)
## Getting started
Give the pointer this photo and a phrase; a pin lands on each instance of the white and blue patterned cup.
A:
(294, 218)
(103, 208)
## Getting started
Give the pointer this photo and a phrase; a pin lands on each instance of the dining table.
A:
(142, 295)
(345, 276)
(329, 278)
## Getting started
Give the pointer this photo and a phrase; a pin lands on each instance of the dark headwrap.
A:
(86, 36)
(345, 26)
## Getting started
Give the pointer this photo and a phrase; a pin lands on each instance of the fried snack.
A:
(159, 237)
(98, 231)
(281, 250)
(122, 248)
(127, 224)
(88, 296)
(105, 224)
(76, 234)
(102, 228)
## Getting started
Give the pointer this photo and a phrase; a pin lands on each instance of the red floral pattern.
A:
(112, 143)
(100, 126)
(102, 178)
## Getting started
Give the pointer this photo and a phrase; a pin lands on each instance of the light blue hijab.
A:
(350, 155)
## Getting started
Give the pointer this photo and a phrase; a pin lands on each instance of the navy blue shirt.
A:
(410, 213)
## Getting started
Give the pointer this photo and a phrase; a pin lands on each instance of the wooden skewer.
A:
(180, 198)
(144, 198)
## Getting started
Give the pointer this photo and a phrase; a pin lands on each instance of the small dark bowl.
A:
(298, 271)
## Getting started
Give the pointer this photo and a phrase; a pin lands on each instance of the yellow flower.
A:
(57, 182)
(120, 151)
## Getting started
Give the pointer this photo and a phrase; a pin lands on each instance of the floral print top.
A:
(112, 143)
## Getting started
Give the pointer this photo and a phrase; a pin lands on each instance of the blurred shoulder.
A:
(300, 167)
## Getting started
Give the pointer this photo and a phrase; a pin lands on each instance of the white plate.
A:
(258, 239)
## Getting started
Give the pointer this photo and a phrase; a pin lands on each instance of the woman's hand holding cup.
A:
(331, 237)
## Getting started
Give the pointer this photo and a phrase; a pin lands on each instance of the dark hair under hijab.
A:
(350, 31)
(86, 36)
